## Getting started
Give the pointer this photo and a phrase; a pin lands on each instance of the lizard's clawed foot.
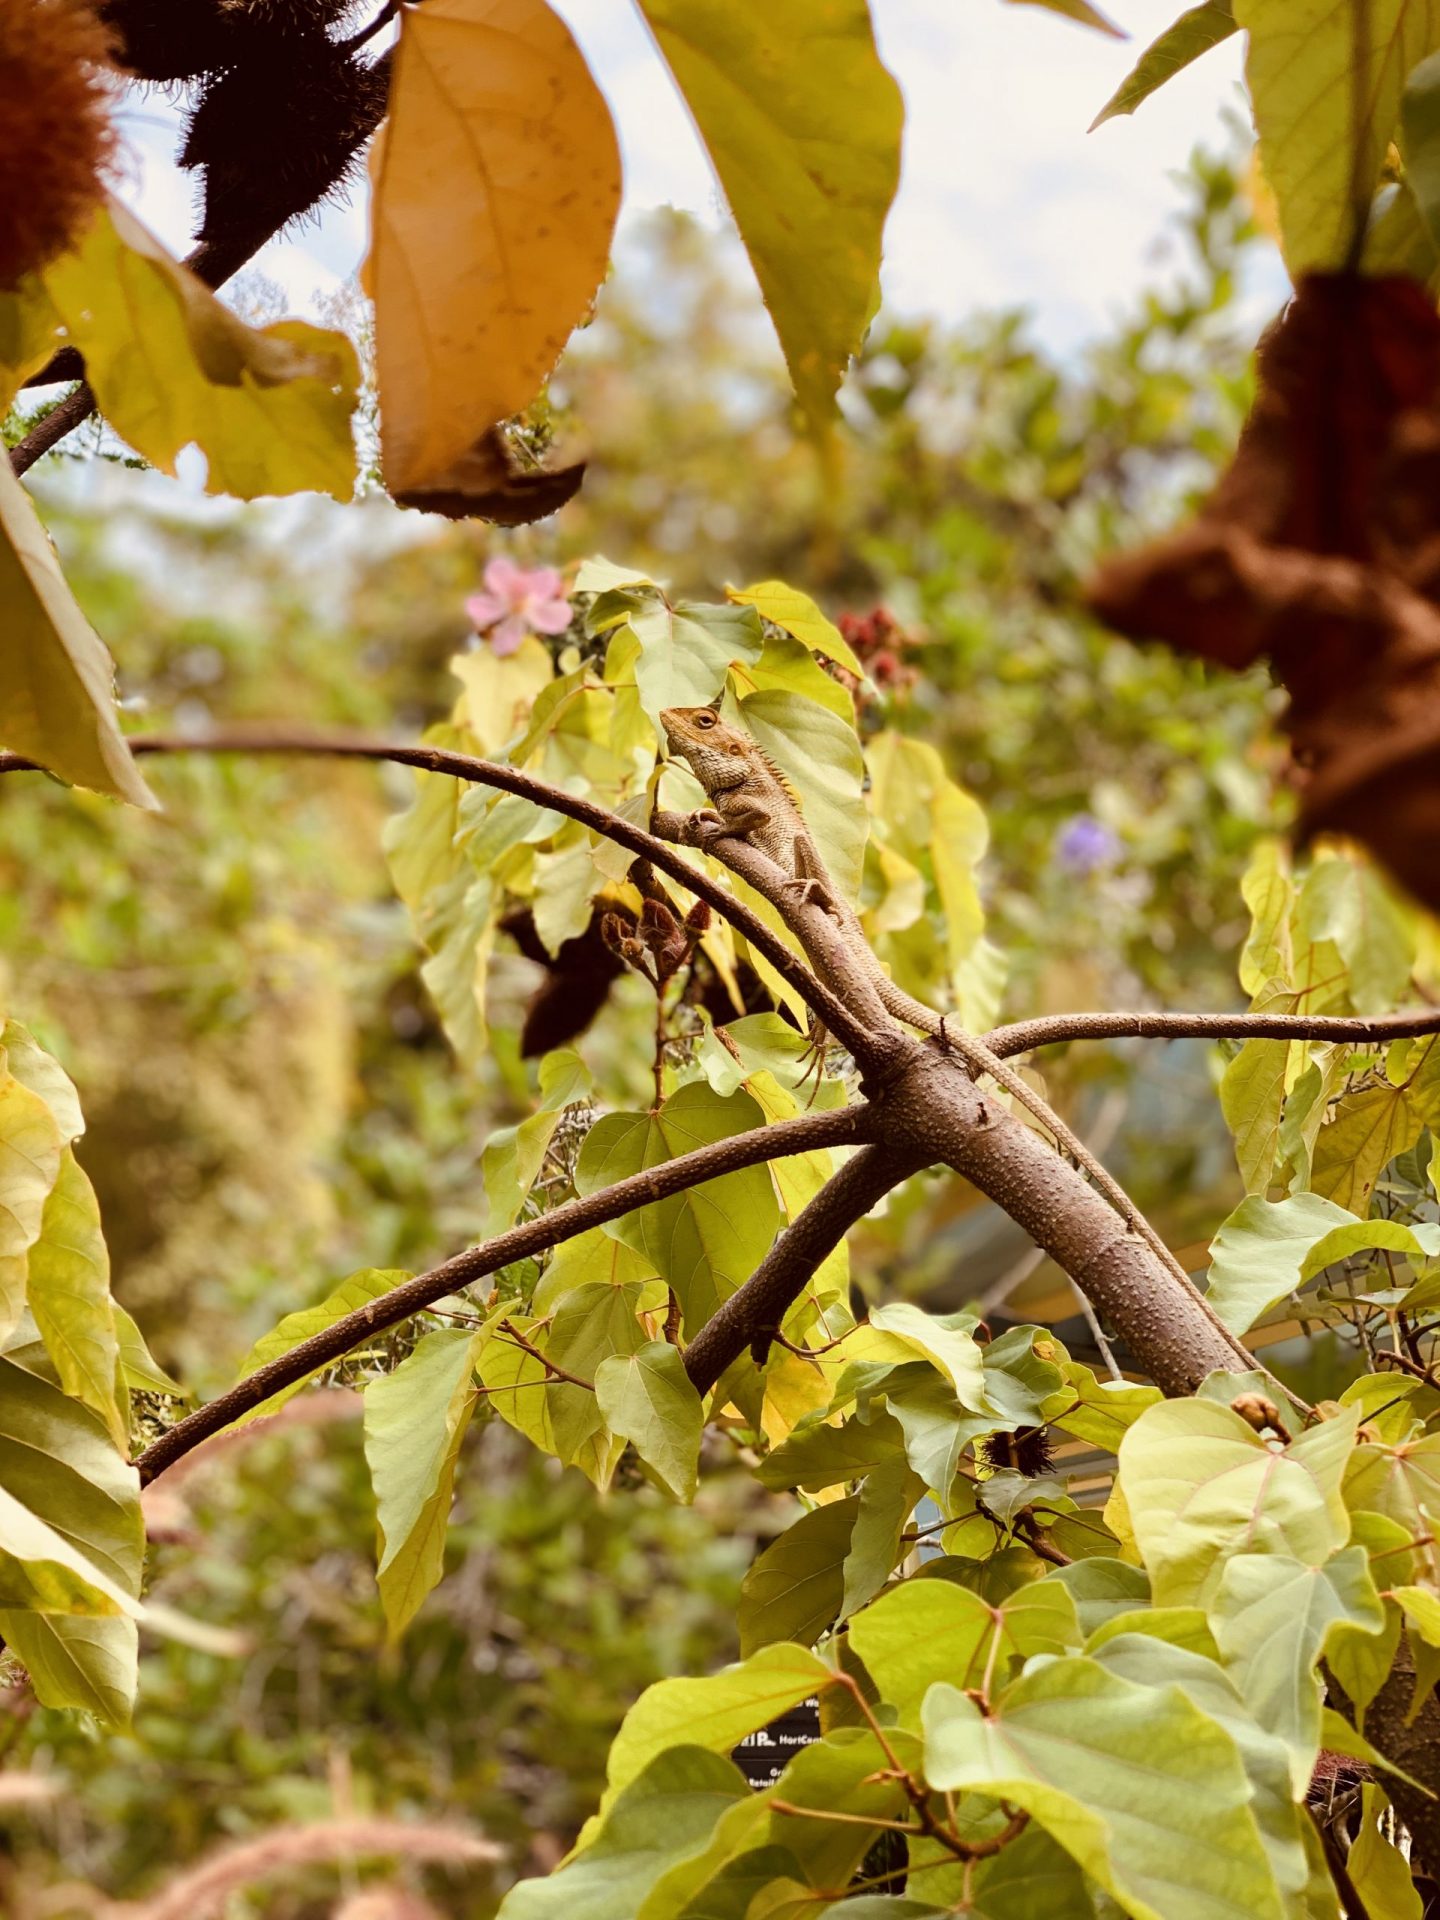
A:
(814, 1056)
(806, 890)
(704, 824)
(813, 893)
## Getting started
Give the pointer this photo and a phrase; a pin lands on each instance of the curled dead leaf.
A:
(575, 987)
(1320, 548)
(489, 483)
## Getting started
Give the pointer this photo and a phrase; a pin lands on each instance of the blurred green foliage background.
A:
(270, 1101)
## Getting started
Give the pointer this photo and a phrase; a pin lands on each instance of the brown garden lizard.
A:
(751, 800)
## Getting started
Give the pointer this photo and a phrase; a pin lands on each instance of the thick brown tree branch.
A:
(836, 1016)
(1025, 1035)
(803, 1134)
(751, 1317)
(838, 950)
(1172, 1334)
(931, 1109)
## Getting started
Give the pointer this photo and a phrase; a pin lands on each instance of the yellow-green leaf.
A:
(1195, 32)
(1268, 953)
(77, 1660)
(1252, 1093)
(820, 755)
(646, 1397)
(1378, 1870)
(30, 1149)
(170, 364)
(43, 1074)
(1352, 1150)
(705, 1242)
(1202, 1486)
(58, 1466)
(42, 1571)
(1326, 80)
(795, 1590)
(1420, 140)
(1138, 1785)
(415, 1419)
(714, 1712)
(28, 335)
(803, 123)
(798, 614)
(69, 1293)
(497, 193)
(56, 679)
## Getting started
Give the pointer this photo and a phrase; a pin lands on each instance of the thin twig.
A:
(810, 1353)
(1023, 1036)
(801, 1135)
(1034, 1536)
(517, 1339)
(847, 1819)
(1417, 1370)
(382, 19)
(752, 1316)
(63, 418)
(1097, 1333)
(486, 773)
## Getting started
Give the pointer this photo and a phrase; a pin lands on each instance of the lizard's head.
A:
(692, 732)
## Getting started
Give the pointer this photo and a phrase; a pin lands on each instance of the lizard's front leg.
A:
(688, 829)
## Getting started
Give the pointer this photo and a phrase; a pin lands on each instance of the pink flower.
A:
(519, 601)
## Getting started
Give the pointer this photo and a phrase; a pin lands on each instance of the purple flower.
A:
(519, 600)
(1085, 844)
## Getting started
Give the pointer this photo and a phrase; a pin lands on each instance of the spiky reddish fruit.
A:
(56, 138)
(168, 40)
(277, 137)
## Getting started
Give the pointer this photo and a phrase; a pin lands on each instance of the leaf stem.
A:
(517, 1339)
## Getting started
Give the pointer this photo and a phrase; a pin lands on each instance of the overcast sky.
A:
(1005, 198)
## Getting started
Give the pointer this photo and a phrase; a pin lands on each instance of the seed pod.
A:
(277, 137)
(279, 18)
(55, 133)
(1026, 1451)
(169, 40)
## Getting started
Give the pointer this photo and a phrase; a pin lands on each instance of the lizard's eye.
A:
(705, 720)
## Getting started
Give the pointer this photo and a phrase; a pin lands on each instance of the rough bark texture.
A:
(1168, 1328)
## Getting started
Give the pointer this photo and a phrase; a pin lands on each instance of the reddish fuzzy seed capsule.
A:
(56, 139)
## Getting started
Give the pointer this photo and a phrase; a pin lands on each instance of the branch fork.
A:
(922, 1108)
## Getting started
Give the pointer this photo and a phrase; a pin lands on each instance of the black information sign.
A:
(762, 1757)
